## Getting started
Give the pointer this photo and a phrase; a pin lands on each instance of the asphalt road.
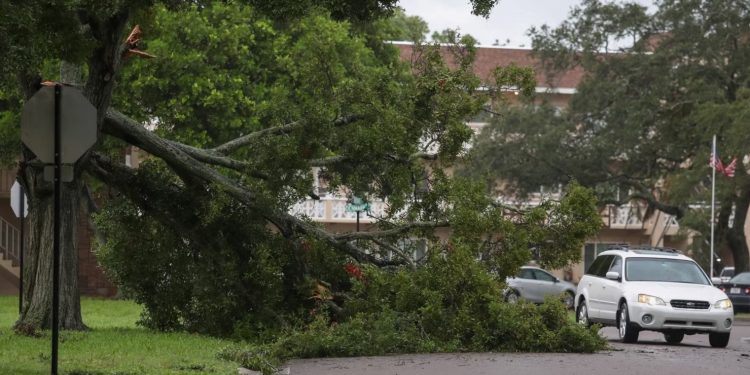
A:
(651, 355)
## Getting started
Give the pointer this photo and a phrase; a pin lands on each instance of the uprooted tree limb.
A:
(181, 158)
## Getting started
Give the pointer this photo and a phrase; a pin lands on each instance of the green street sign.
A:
(357, 204)
(357, 207)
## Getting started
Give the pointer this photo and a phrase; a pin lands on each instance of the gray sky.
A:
(510, 19)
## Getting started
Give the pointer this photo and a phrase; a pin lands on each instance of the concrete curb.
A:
(244, 371)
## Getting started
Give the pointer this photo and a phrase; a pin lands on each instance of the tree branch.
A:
(323, 162)
(396, 251)
(247, 139)
(127, 129)
(423, 156)
(303, 227)
(390, 232)
(278, 130)
(209, 157)
(331, 160)
(676, 211)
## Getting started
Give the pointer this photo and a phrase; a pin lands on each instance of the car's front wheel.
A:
(718, 339)
(569, 300)
(582, 314)
(511, 296)
(673, 337)
(627, 330)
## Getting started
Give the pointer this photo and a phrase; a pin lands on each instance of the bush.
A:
(211, 279)
(450, 304)
(293, 297)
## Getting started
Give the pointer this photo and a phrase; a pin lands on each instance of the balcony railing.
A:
(631, 217)
(10, 241)
(623, 217)
(332, 209)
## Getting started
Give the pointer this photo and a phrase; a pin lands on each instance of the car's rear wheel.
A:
(627, 330)
(718, 339)
(582, 315)
(569, 300)
(673, 337)
(511, 296)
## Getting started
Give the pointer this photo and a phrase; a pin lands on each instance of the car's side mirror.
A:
(612, 275)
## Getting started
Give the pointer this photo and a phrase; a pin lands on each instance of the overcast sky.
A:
(510, 19)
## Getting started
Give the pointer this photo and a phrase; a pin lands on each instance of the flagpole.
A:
(713, 197)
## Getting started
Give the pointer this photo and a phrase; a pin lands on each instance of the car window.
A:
(727, 272)
(616, 265)
(600, 266)
(667, 270)
(743, 278)
(526, 274)
(543, 276)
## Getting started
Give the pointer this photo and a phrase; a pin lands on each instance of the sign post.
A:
(58, 124)
(56, 240)
(357, 204)
(19, 205)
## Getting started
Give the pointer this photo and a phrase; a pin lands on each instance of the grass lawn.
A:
(113, 346)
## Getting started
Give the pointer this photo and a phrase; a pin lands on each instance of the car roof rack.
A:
(628, 247)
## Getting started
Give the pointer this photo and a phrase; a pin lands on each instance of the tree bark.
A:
(103, 65)
(37, 308)
(736, 235)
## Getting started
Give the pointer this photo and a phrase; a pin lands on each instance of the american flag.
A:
(715, 162)
(728, 170)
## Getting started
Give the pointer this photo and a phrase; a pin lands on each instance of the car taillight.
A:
(723, 289)
(747, 290)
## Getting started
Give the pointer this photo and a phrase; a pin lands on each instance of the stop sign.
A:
(77, 124)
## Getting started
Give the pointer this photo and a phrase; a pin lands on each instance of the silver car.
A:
(534, 284)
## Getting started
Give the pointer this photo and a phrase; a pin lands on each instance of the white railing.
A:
(625, 215)
(672, 220)
(10, 240)
(333, 209)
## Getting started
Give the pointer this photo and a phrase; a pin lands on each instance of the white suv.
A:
(654, 289)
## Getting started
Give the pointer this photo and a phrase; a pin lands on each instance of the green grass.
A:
(113, 346)
(571, 316)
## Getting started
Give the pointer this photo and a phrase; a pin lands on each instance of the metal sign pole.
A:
(56, 239)
(49, 122)
(23, 240)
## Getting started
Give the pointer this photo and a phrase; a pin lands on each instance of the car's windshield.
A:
(743, 278)
(661, 269)
(727, 272)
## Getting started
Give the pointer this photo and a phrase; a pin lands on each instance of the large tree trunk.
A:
(36, 311)
(736, 235)
(103, 66)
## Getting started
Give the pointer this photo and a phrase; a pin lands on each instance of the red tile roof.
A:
(487, 58)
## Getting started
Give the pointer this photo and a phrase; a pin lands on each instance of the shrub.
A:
(211, 279)
(450, 304)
